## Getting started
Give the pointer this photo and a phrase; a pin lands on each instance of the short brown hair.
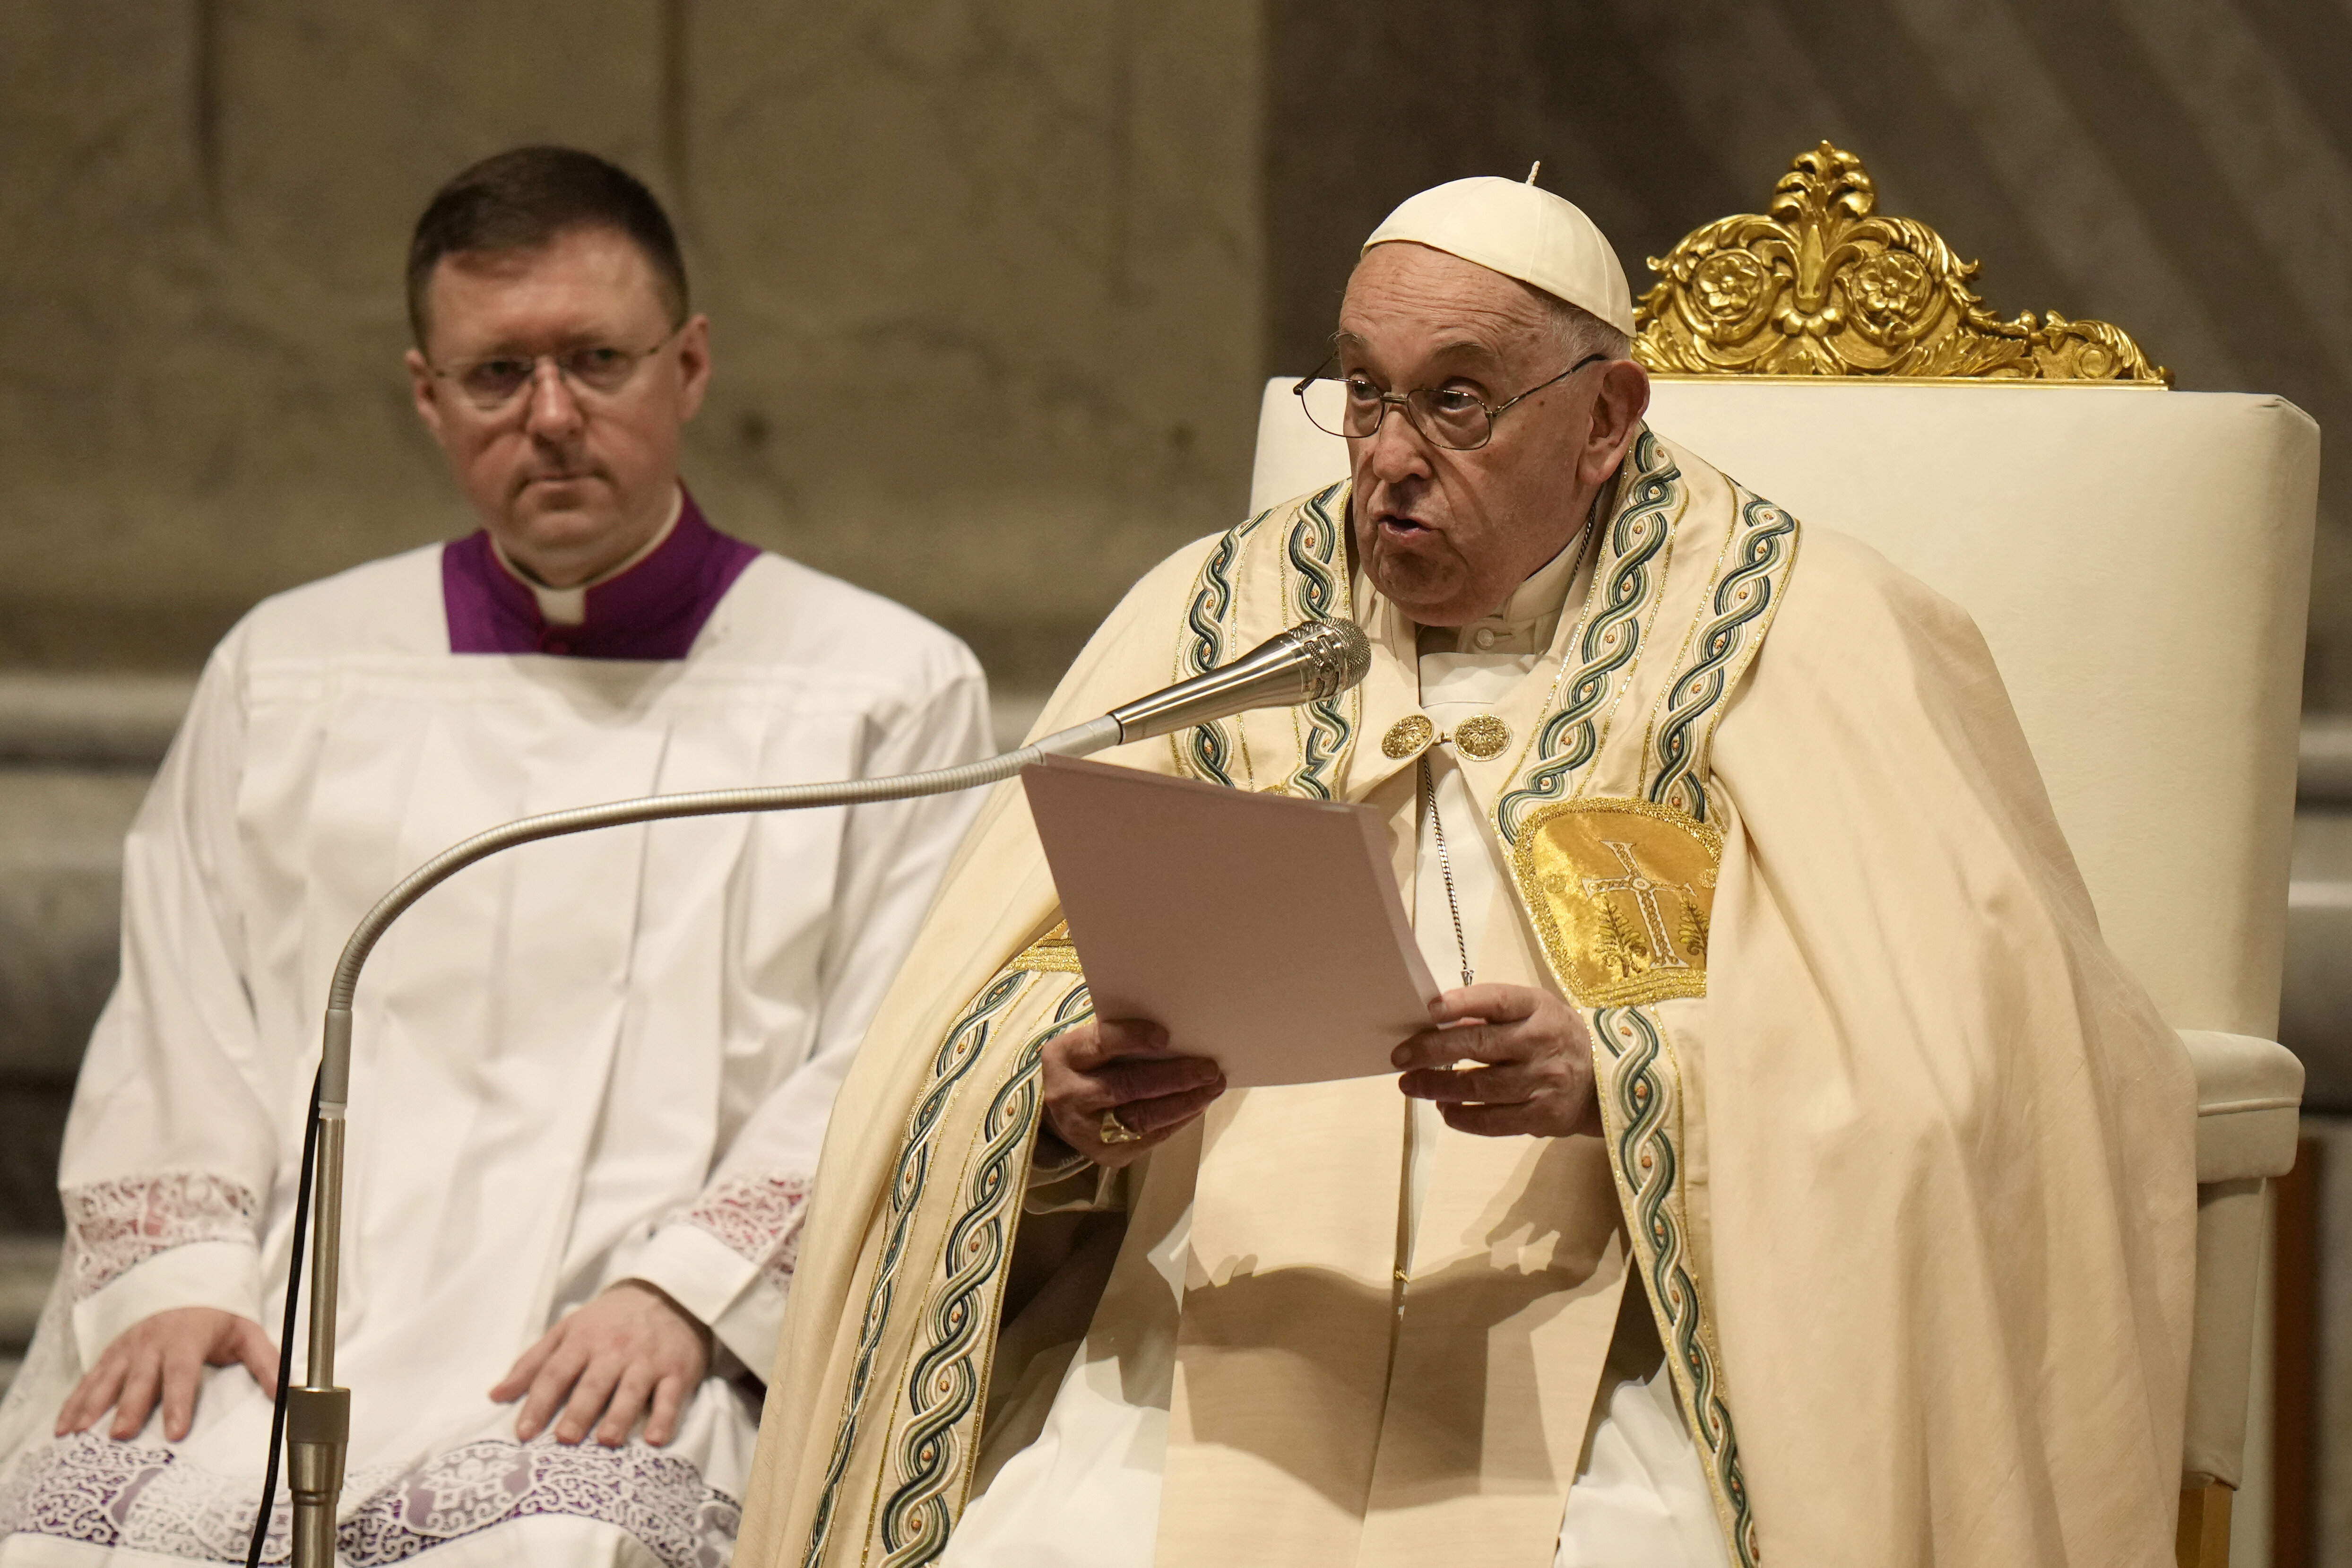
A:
(522, 200)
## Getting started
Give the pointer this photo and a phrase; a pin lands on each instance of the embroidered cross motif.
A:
(1661, 950)
(1622, 893)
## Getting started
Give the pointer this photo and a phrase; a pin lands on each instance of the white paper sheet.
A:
(1262, 931)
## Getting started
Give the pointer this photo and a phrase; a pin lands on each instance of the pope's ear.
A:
(1618, 405)
(423, 390)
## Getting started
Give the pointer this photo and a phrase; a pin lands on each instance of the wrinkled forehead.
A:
(1408, 300)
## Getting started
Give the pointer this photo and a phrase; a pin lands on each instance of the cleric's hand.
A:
(1535, 1075)
(603, 1361)
(167, 1352)
(1124, 1065)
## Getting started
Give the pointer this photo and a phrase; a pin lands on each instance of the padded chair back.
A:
(2139, 562)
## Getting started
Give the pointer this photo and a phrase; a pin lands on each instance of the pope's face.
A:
(1450, 534)
(570, 479)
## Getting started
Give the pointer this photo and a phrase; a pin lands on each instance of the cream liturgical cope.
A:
(1897, 1160)
(591, 1059)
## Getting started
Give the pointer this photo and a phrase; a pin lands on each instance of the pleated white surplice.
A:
(595, 1058)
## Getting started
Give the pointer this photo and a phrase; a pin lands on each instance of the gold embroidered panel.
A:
(1622, 891)
(1824, 285)
(1053, 954)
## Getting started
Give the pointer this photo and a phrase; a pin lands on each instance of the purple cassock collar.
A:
(654, 610)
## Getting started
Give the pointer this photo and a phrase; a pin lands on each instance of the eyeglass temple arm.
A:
(1299, 388)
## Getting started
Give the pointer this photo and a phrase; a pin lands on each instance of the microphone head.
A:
(1338, 654)
(1305, 664)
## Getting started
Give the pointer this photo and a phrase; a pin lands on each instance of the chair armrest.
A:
(2248, 1094)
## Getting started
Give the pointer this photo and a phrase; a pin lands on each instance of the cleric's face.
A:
(1448, 534)
(575, 466)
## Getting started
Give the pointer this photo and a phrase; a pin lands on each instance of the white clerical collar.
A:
(1524, 623)
(569, 606)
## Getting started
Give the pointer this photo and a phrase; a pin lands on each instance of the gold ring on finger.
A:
(1111, 1130)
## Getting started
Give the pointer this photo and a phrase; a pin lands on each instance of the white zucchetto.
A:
(1522, 232)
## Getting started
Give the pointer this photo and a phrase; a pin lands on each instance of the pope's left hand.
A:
(602, 1364)
(1533, 1072)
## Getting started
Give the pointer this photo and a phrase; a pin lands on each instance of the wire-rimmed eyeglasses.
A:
(1450, 417)
(492, 383)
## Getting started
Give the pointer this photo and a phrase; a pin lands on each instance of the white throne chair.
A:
(2138, 559)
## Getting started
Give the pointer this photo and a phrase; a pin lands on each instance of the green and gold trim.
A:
(1756, 557)
(1207, 752)
(1640, 1089)
(1620, 887)
(1629, 584)
(931, 1419)
(1316, 549)
(937, 1437)
(1220, 624)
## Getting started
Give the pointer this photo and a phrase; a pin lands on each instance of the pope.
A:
(1793, 1172)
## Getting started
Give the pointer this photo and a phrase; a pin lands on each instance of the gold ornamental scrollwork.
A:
(1823, 285)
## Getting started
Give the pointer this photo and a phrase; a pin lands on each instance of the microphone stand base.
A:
(318, 1432)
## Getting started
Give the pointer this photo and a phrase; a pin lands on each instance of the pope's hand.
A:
(166, 1355)
(602, 1364)
(1123, 1066)
(1534, 1071)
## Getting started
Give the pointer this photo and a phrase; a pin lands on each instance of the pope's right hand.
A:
(165, 1354)
(1124, 1067)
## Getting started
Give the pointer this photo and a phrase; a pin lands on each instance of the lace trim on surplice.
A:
(93, 1489)
(118, 1224)
(758, 1218)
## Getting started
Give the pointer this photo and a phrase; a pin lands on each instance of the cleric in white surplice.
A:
(591, 1076)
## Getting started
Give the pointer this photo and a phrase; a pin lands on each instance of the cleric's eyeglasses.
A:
(593, 371)
(1449, 416)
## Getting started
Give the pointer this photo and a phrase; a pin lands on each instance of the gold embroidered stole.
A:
(931, 1294)
(1614, 844)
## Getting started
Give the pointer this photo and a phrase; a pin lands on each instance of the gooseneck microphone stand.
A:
(318, 1412)
(1305, 664)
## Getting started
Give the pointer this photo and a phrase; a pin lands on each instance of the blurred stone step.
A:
(90, 720)
(27, 1266)
(60, 892)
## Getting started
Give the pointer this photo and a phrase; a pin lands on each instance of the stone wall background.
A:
(984, 280)
(993, 280)
(2181, 169)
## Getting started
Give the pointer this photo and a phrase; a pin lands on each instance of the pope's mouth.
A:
(1400, 526)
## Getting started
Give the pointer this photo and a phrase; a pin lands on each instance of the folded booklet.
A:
(1259, 930)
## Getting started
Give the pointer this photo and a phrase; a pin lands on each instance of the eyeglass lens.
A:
(595, 368)
(1446, 416)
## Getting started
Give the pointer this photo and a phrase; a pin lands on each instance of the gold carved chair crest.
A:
(1822, 284)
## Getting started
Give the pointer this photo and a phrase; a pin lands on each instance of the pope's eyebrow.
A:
(1458, 349)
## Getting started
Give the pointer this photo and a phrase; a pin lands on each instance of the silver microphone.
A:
(1305, 664)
